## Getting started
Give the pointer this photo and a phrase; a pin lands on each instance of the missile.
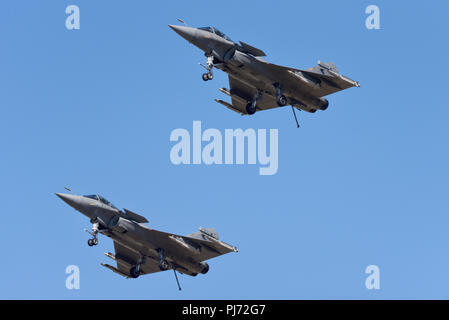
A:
(115, 270)
(225, 91)
(229, 106)
(121, 261)
(233, 95)
(110, 255)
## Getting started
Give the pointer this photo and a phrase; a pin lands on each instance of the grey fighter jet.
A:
(255, 84)
(142, 250)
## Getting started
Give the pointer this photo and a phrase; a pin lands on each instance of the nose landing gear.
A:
(209, 67)
(207, 76)
(92, 242)
(94, 233)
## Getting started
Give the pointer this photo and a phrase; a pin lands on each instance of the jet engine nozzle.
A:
(324, 105)
(205, 267)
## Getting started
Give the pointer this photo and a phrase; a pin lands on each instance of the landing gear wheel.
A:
(90, 242)
(205, 76)
(163, 265)
(95, 241)
(134, 273)
(210, 76)
(250, 109)
(281, 100)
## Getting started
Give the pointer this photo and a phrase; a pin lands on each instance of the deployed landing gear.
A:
(163, 264)
(94, 240)
(209, 67)
(281, 100)
(208, 76)
(251, 106)
(135, 270)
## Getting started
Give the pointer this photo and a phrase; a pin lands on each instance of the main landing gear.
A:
(281, 100)
(162, 262)
(94, 233)
(251, 106)
(209, 67)
(135, 270)
(164, 265)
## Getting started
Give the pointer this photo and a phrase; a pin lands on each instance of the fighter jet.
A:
(142, 250)
(255, 84)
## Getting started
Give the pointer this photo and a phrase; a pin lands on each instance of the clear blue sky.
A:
(365, 182)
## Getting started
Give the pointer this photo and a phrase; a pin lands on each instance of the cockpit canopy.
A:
(101, 199)
(217, 32)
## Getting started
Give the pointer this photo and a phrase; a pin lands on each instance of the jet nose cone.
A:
(187, 33)
(60, 195)
(70, 199)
